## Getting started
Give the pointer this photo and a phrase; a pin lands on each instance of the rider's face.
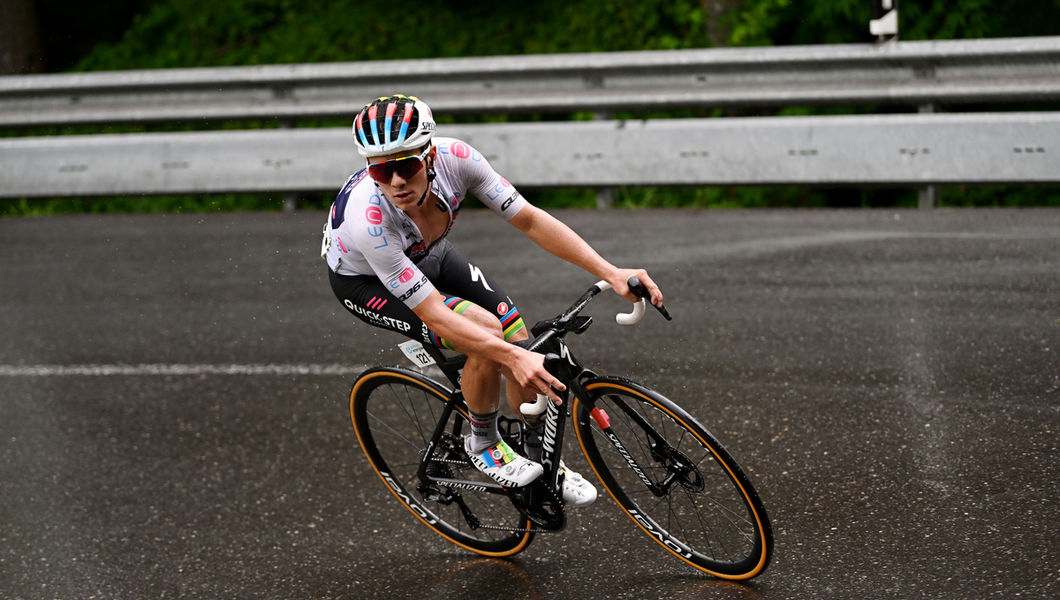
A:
(405, 193)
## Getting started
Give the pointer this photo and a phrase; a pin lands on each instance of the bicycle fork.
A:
(679, 468)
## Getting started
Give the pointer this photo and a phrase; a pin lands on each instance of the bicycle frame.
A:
(707, 513)
(527, 498)
(548, 340)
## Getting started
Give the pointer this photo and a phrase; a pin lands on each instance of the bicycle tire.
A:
(394, 413)
(710, 516)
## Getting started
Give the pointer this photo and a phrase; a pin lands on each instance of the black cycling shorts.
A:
(459, 282)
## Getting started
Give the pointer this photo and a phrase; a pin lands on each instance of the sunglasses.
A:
(406, 167)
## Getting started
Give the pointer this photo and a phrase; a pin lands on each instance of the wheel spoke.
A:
(396, 413)
(706, 505)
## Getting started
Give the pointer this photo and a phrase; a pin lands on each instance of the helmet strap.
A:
(430, 178)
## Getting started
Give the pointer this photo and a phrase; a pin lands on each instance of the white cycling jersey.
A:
(367, 235)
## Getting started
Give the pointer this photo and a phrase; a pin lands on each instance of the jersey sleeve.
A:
(487, 185)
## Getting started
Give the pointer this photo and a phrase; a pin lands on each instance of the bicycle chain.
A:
(551, 492)
(514, 530)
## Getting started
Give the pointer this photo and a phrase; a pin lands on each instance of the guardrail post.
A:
(290, 201)
(605, 196)
(928, 196)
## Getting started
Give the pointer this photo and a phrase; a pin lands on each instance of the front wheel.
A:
(673, 478)
(395, 412)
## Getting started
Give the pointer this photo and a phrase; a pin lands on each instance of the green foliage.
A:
(998, 196)
(171, 204)
(180, 33)
(781, 22)
(187, 33)
(754, 25)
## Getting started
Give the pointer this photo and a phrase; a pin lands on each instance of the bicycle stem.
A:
(550, 331)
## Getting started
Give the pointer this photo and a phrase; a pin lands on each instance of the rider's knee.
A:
(519, 335)
(483, 318)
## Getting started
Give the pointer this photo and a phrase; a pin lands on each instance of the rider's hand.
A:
(529, 371)
(618, 283)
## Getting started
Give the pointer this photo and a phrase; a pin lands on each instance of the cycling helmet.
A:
(391, 124)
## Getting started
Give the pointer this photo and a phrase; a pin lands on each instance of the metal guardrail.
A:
(910, 149)
(899, 149)
(910, 73)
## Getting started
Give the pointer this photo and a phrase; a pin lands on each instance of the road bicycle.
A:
(664, 469)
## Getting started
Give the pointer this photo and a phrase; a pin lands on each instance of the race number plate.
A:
(414, 352)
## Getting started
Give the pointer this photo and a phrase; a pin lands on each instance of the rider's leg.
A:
(481, 378)
(534, 423)
(480, 382)
(515, 393)
(452, 272)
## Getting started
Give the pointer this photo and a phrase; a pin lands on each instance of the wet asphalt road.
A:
(173, 406)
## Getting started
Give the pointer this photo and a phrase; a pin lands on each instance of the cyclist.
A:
(391, 265)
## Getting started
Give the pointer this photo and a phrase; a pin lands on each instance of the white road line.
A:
(178, 369)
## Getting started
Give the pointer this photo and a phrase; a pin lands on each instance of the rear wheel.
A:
(395, 412)
(674, 479)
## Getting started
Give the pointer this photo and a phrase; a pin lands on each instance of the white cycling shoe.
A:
(577, 492)
(503, 465)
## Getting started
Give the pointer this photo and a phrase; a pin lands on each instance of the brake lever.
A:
(640, 291)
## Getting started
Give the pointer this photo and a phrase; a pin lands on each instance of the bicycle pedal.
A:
(511, 431)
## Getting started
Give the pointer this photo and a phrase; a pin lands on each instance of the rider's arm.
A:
(553, 235)
(527, 367)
